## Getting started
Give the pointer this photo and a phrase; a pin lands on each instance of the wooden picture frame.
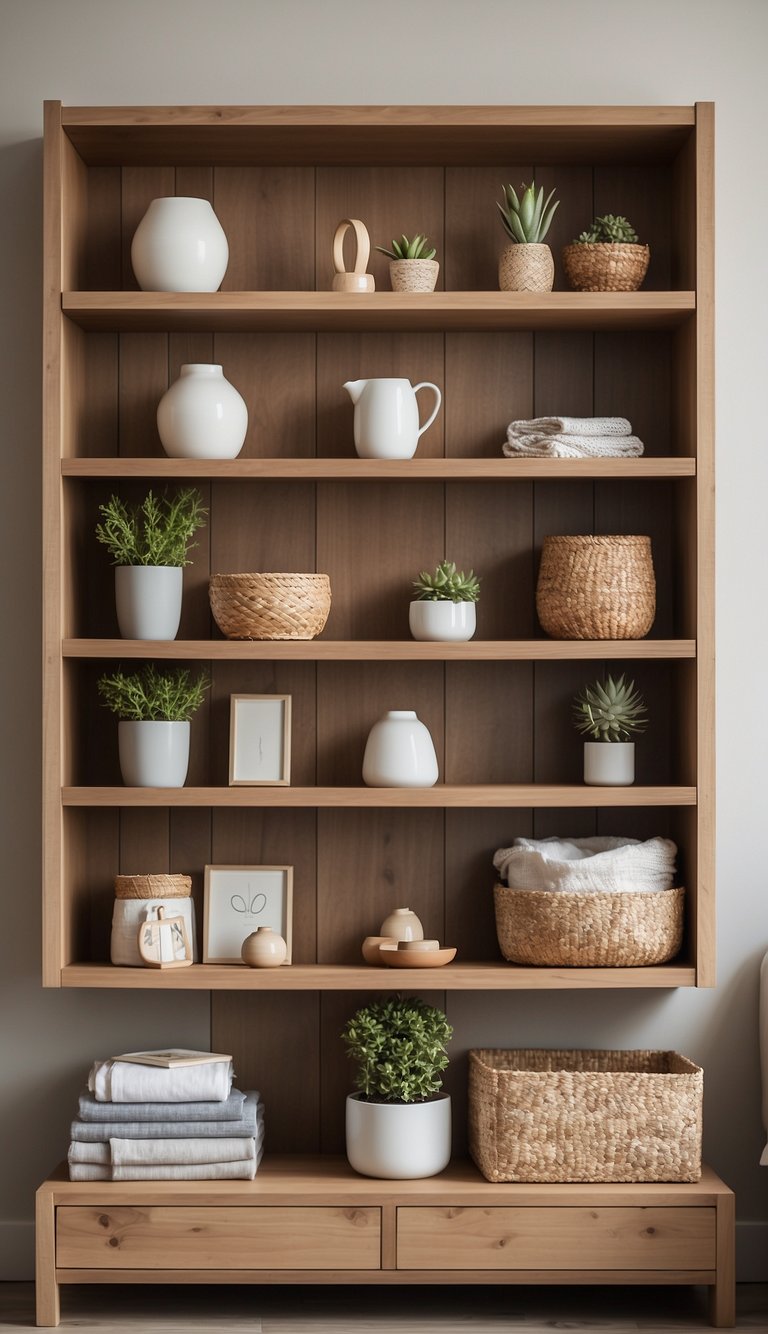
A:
(259, 740)
(233, 897)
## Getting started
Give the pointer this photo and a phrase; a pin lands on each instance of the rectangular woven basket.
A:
(585, 1115)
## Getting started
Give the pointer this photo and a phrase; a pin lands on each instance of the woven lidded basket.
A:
(596, 587)
(270, 606)
(605, 266)
(585, 1115)
(631, 929)
(153, 886)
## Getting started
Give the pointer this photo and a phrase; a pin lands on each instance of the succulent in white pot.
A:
(412, 264)
(154, 709)
(610, 712)
(444, 606)
(527, 264)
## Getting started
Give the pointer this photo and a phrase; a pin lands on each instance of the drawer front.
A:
(568, 1238)
(250, 1237)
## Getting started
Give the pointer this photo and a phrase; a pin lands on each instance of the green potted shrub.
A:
(606, 257)
(154, 709)
(398, 1121)
(527, 264)
(610, 713)
(444, 605)
(149, 545)
(412, 264)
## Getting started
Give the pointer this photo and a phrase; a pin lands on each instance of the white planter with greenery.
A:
(153, 754)
(148, 600)
(609, 765)
(398, 1142)
(609, 712)
(154, 709)
(444, 608)
(412, 265)
(526, 265)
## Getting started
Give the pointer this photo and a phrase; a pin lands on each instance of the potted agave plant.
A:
(154, 709)
(149, 545)
(412, 264)
(398, 1121)
(610, 712)
(606, 257)
(444, 606)
(527, 264)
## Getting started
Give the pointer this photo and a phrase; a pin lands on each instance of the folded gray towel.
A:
(240, 1171)
(229, 1110)
(98, 1131)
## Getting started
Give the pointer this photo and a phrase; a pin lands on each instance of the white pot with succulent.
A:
(412, 264)
(154, 709)
(444, 606)
(527, 264)
(609, 712)
(606, 257)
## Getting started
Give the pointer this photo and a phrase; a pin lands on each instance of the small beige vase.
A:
(264, 948)
(526, 268)
(413, 275)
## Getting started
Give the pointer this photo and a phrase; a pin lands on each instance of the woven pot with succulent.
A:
(154, 708)
(412, 264)
(526, 265)
(606, 257)
(444, 605)
(609, 711)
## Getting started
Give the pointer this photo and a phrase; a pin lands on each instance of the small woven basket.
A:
(585, 1115)
(632, 929)
(605, 266)
(153, 886)
(526, 267)
(270, 606)
(596, 587)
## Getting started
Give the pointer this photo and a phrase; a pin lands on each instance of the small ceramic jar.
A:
(264, 948)
(402, 924)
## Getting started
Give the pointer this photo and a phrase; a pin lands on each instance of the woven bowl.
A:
(564, 930)
(596, 587)
(605, 266)
(270, 606)
(153, 886)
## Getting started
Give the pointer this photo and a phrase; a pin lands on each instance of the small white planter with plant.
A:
(412, 264)
(444, 606)
(527, 264)
(609, 712)
(154, 709)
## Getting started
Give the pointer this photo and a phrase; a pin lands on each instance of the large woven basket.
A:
(153, 886)
(270, 606)
(605, 266)
(596, 587)
(631, 929)
(585, 1115)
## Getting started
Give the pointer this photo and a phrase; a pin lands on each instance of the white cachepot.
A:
(399, 1141)
(148, 600)
(201, 415)
(179, 246)
(399, 752)
(442, 620)
(153, 754)
(609, 763)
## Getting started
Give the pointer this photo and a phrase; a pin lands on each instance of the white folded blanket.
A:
(573, 446)
(571, 426)
(588, 865)
(122, 1081)
(127, 1152)
(244, 1170)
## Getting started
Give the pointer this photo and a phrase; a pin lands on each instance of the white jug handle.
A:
(426, 384)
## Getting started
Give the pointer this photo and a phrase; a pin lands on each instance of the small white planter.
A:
(442, 620)
(148, 600)
(609, 763)
(399, 1141)
(202, 415)
(153, 754)
(399, 752)
(179, 246)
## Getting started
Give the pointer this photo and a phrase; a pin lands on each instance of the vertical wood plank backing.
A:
(98, 431)
(471, 839)
(275, 373)
(268, 216)
(489, 528)
(488, 383)
(633, 378)
(103, 269)
(140, 185)
(99, 835)
(489, 722)
(643, 195)
(189, 851)
(351, 699)
(143, 379)
(195, 608)
(342, 357)
(264, 526)
(144, 841)
(474, 232)
(574, 187)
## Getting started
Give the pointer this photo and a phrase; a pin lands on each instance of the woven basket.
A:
(605, 266)
(596, 587)
(270, 606)
(527, 267)
(627, 930)
(153, 886)
(585, 1115)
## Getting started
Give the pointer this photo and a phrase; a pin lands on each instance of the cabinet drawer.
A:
(553, 1238)
(250, 1237)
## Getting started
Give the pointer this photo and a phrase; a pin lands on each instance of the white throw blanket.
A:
(588, 865)
(572, 437)
(122, 1081)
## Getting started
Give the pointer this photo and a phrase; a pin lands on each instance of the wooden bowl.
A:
(371, 948)
(395, 958)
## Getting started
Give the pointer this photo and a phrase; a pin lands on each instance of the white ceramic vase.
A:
(179, 246)
(609, 763)
(399, 1141)
(387, 417)
(264, 948)
(202, 416)
(399, 752)
(148, 600)
(153, 754)
(447, 621)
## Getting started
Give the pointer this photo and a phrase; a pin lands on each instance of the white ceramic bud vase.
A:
(399, 752)
(153, 754)
(148, 600)
(446, 621)
(201, 415)
(179, 246)
(399, 1141)
(609, 763)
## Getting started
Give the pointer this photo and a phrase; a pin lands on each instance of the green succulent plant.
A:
(447, 584)
(610, 710)
(150, 696)
(159, 531)
(418, 248)
(399, 1048)
(527, 218)
(609, 229)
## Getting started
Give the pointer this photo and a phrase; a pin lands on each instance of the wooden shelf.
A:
(394, 470)
(381, 650)
(483, 796)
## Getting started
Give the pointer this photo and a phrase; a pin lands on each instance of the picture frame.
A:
(259, 740)
(238, 899)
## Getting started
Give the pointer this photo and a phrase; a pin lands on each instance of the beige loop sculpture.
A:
(358, 280)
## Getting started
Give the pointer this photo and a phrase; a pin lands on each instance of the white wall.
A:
(493, 51)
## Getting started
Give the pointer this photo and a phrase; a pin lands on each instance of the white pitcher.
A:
(387, 417)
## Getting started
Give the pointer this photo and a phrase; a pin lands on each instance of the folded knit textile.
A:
(233, 1109)
(588, 865)
(122, 1081)
(168, 1127)
(572, 437)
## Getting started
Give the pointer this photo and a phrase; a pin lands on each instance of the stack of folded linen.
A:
(181, 1122)
(601, 864)
(572, 438)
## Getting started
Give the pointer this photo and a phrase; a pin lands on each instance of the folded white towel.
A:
(245, 1170)
(588, 865)
(122, 1081)
(573, 446)
(179, 1152)
(90, 1153)
(571, 426)
(89, 1172)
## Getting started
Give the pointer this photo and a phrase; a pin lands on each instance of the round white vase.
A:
(201, 415)
(399, 752)
(179, 246)
(399, 1141)
(447, 621)
(609, 763)
(153, 754)
(148, 600)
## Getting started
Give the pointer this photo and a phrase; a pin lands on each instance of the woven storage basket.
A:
(596, 587)
(270, 606)
(605, 266)
(585, 1115)
(153, 886)
(614, 930)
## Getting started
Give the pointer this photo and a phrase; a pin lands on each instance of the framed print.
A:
(240, 898)
(259, 740)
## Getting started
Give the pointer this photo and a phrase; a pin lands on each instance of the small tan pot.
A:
(526, 268)
(604, 266)
(413, 275)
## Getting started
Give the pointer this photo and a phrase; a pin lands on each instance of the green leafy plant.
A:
(159, 531)
(528, 217)
(608, 230)
(152, 696)
(405, 249)
(610, 710)
(447, 584)
(399, 1048)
